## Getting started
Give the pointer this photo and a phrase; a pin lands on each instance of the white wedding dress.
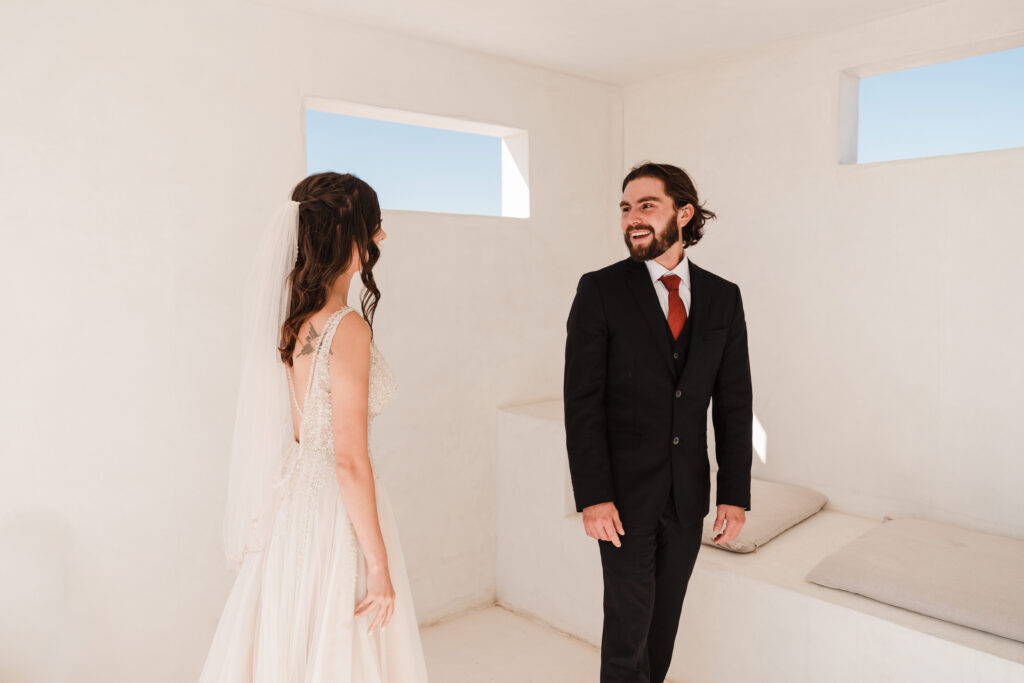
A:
(290, 615)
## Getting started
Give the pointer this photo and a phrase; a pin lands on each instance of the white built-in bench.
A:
(750, 618)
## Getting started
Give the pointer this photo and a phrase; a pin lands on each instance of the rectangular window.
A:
(965, 105)
(420, 162)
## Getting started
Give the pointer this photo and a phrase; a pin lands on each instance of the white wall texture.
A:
(882, 300)
(143, 147)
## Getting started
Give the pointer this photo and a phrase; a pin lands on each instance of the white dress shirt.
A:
(683, 271)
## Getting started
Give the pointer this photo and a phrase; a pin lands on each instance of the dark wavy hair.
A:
(680, 188)
(335, 211)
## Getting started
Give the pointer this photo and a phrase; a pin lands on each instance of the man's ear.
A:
(683, 215)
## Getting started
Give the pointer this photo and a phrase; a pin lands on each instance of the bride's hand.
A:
(380, 595)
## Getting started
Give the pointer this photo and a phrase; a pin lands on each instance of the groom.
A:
(651, 341)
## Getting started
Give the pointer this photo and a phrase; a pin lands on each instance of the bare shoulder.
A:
(352, 337)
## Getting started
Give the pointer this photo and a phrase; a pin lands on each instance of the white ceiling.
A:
(615, 42)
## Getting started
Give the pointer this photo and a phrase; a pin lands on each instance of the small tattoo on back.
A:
(309, 345)
(311, 336)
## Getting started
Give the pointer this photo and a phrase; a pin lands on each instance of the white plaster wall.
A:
(143, 147)
(547, 566)
(882, 300)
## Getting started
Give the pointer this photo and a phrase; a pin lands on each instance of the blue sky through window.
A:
(967, 105)
(412, 168)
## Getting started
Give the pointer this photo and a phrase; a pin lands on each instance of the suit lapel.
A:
(640, 284)
(699, 303)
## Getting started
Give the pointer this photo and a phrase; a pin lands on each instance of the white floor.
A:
(493, 645)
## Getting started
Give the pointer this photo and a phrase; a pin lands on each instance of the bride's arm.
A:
(349, 372)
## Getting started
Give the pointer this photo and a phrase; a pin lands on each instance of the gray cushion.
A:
(774, 508)
(963, 576)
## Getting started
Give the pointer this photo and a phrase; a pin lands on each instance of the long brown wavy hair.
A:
(335, 211)
(681, 189)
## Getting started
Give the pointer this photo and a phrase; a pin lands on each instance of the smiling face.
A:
(650, 224)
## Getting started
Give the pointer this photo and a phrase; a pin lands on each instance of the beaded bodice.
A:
(315, 448)
(383, 384)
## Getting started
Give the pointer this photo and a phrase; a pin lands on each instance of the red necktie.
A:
(676, 308)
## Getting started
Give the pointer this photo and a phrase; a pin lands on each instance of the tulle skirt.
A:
(290, 615)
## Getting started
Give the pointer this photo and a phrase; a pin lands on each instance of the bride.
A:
(308, 525)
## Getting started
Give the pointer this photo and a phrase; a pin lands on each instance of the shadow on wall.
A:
(35, 547)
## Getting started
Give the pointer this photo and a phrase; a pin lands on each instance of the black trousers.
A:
(644, 584)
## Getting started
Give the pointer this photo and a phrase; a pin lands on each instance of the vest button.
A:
(676, 356)
(675, 441)
(678, 394)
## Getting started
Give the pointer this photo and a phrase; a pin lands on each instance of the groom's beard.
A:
(662, 240)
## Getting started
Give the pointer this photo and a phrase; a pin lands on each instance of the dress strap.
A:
(323, 347)
(291, 389)
(330, 328)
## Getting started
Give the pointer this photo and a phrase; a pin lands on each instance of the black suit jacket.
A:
(634, 426)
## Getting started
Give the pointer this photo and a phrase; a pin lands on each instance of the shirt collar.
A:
(656, 270)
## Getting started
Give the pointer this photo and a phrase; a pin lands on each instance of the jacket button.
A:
(675, 441)
(678, 393)
(676, 356)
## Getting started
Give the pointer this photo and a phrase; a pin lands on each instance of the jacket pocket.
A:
(714, 336)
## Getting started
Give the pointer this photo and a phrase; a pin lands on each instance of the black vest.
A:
(680, 347)
(680, 352)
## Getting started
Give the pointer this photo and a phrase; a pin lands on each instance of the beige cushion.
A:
(963, 576)
(773, 509)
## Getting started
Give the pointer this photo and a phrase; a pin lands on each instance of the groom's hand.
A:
(733, 517)
(602, 522)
